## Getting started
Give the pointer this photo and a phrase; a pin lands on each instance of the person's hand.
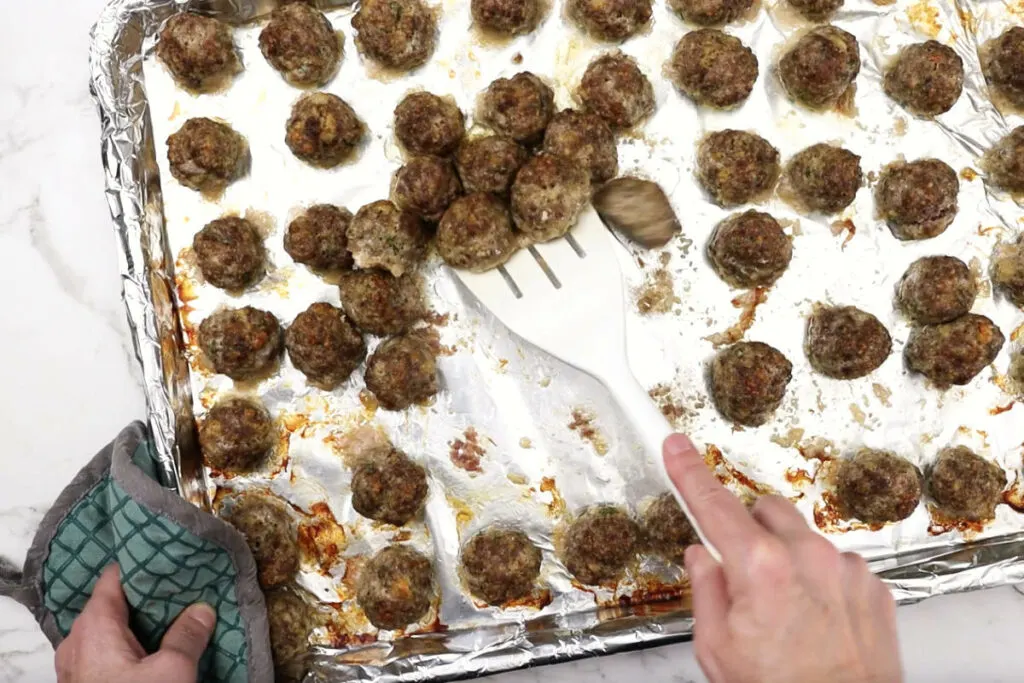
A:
(102, 649)
(784, 605)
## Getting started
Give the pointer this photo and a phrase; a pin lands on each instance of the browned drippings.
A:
(321, 538)
(747, 303)
(657, 295)
(799, 477)
(557, 505)
(830, 518)
(942, 523)
(583, 424)
(844, 225)
(673, 411)
(728, 474)
(466, 453)
(925, 18)
(999, 410)
(968, 173)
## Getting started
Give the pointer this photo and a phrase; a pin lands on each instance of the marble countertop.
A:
(64, 331)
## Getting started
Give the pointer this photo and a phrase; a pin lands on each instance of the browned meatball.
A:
(489, 163)
(324, 345)
(965, 485)
(323, 130)
(508, 17)
(844, 342)
(301, 44)
(824, 177)
(318, 238)
(926, 78)
(207, 155)
(1016, 369)
(1004, 163)
(476, 233)
(1008, 270)
(748, 382)
(198, 51)
(586, 139)
(710, 12)
(668, 530)
(290, 621)
(241, 342)
(428, 124)
(713, 68)
(749, 250)
(402, 371)
(389, 489)
(816, 10)
(937, 289)
(1002, 62)
(500, 565)
(383, 236)
(380, 303)
(613, 20)
(548, 194)
(400, 34)
(614, 88)
(821, 66)
(600, 543)
(236, 435)
(270, 531)
(736, 167)
(230, 253)
(877, 487)
(395, 587)
(918, 199)
(519, 107)
(954, 352)
(426, 186)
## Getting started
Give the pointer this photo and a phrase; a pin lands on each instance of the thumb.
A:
(190, 633)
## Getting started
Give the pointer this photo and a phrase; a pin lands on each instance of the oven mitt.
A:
(171, 555)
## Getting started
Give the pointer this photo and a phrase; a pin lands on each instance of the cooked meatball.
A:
(1004, 163)
(878, 487)
(402, 371)
(1016, 369)
(383, 236)
(824, 177)
(816, 10)
(965, 485)
(500, 565)
(426, 186)
(241, 342)
(323, 130)
(548, 194)
(290, 620)
(585, 139)
(207, 155)
(271, 534)
(399, 34)
(324, 345)
(600, 543)
(428, 124)
(821, 66)
(230, 253)
(748, 382)
(926, 78)
(954, 352)
(1008, 270)
(637, 209)
(489, 163)
(301, 44)
(318, 238)
(844, 342)
(612, 20)
(713, 68)
(749, 250)
(710, 12)
(380, 303)
(395, 587)
(519, 107)
(668, 530)
(918, 199)
(1002, 62)
(936, 289)
(198, 51)
(614, 88)
(508, 17)
(389, 489)
(236, 435)
(476, 233)
(736, 167)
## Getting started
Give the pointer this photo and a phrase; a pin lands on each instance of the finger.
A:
(189, 635)
(710, 608)
(780, 518)
(107, 601)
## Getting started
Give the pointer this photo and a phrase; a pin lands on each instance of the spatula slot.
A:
(545, 267)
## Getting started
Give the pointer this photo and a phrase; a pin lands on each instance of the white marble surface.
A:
(70, 380)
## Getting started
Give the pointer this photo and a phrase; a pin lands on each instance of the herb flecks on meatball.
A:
(954, 352)
(198, 51)
(519, 107)
(844, 342)
(736, 167)
(749, 250)
(824, 178)
(236, 435)
(381, 235)
(710, 12)
(395, 587)
(489, 163)
(241, 342)
(426, 186)
(614, 88)
(500, 565)
(476, 233)
(937, 289)
(966, 486)
(748, 382)
(713, 68)
(507, 17)
(426, 123)
(611, 20)
(926, 78)
(207, 155)
(1004, 162)
(323, 130)
(390, 489)
(668, 530)
(1002, 62)
(380, 303)
(547, 196)
(402, 372)
(600, 543)
(301, 44)
(230, 253)
(878, 487)
(324, 345)
(820, 67)
(586, 139)
(271, 534)
(399, 34)
(318, 238)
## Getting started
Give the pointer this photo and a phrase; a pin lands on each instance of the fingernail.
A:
(677, 444)
(204, 614)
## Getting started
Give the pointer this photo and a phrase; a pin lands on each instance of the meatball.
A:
(748, 382)
(476, 233)
(395, 587)
(820, 67)
(383, 236)
(290, 621)
(965, 485)
(489, 163)
(207, 155)
(612, 20)
(428, 124)
(736, 167)
(507, 17)
(824, 177)
(271, 534)
(749, 250)
(954, 352)
(918, 199)
(399, 34)
(816, 10)
(198, 51)
(241, 342)
(389, 489)
(236, 435)
(586, 139)
(878, 487)
(519, 107)
(301, 44)
(318, 238)
(500, 565)
(426, 186)
(936, 289)
(600, 543)
(844, 342)
(402, 371)
(1008, 270)
(323, 130)
(614, 88)
(667, 529)
(547, 196)
(710, 12)
(1016, 369)
(230, 253)
(926, 79)
(713, 68)
(324, 345)
(1004, 163)
(1002, 62)
(380, 303)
